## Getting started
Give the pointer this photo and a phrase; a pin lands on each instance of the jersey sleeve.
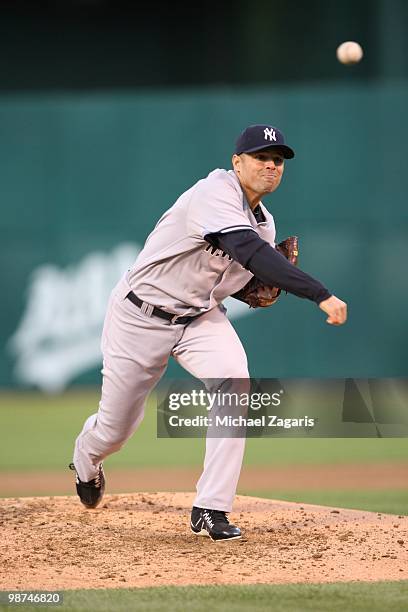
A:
(268, 265)
(216, 206)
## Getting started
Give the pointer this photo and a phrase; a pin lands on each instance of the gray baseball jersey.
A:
(177, 269)
(180, 272)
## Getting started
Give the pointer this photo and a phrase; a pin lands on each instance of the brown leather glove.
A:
(255, 293)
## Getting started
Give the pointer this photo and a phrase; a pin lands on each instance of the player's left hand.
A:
(255, 293)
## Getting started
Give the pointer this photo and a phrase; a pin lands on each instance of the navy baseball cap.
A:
(258, 137)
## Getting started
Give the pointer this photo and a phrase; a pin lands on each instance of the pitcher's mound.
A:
(143, 539)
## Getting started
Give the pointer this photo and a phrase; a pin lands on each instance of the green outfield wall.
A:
(85, 177)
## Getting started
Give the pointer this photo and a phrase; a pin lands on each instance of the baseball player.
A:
(207, 246)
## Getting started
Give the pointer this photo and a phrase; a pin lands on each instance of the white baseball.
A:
(349, 52)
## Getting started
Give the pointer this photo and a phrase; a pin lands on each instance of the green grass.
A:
(38, 432)
(337, 597)
(387, 501)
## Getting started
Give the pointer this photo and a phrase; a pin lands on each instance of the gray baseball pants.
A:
(136, 349)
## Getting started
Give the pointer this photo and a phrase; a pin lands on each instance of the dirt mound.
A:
(140, 540)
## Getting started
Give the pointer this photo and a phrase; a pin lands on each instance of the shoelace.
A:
(220, 516)
(215, 516)
(98, 479)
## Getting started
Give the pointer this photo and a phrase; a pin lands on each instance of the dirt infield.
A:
(143, 540)
(373, 476)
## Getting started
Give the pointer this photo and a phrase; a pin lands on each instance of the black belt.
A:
(151, 310)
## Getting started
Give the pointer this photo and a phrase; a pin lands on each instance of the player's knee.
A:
(241, 373)
(234, 367)
(234, 372)
(229, 384)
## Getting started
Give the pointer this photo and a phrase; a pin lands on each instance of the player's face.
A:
(259, 172)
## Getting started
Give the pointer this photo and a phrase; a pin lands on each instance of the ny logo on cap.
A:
(270, 133)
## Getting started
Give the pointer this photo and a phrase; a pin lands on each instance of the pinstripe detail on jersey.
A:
(234, 228)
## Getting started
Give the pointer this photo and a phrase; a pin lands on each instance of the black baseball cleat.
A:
(90, 493)
(213, 523)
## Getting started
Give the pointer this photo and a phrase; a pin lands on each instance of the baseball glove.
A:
(255, 293)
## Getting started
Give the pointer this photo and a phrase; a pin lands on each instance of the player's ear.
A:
(236, 162)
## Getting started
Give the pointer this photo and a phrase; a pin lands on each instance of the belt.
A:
(150, 310)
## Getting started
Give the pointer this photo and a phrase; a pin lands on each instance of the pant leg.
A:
(210, 349)
(135, 351)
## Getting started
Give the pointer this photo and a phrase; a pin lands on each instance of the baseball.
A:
(349, 52)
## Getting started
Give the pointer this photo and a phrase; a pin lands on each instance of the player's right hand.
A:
(336, 309)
